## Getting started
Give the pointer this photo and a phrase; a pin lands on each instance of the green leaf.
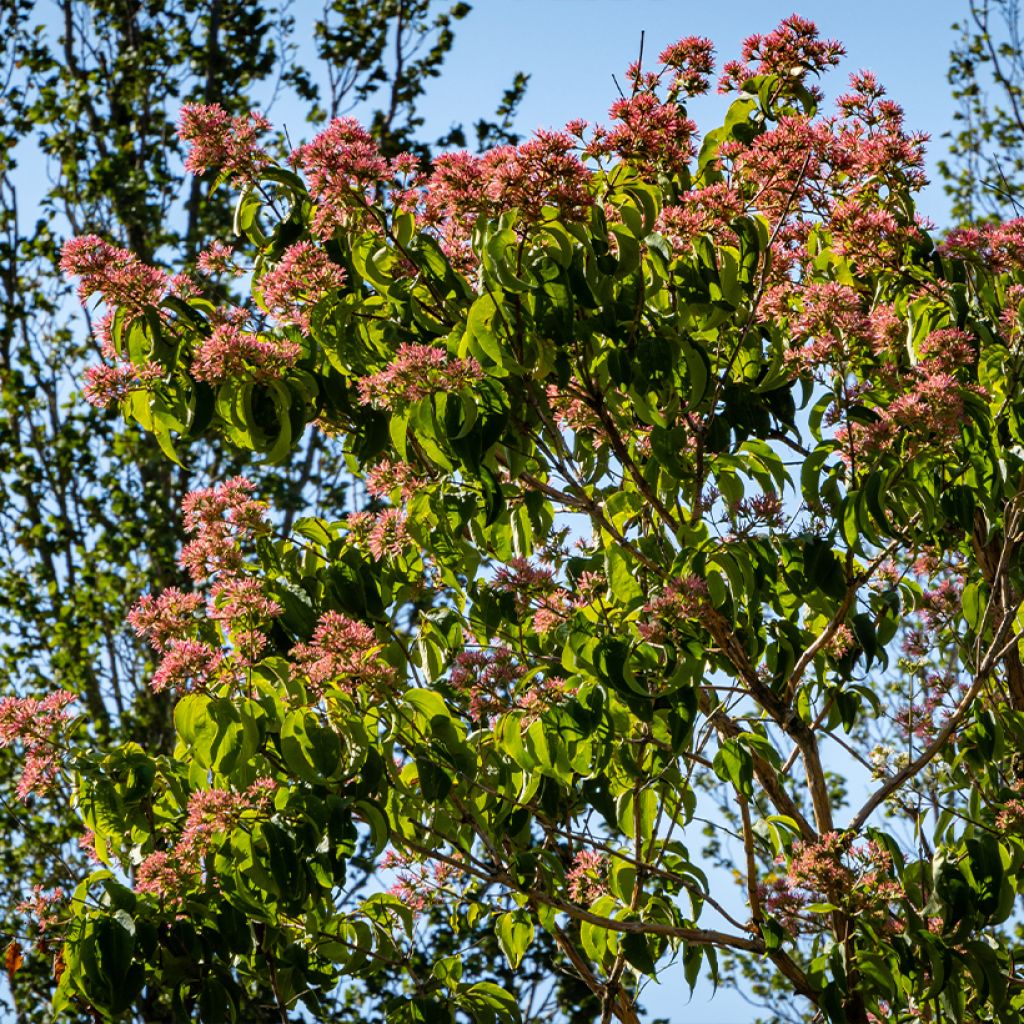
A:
(637, 951)
(622, 575)
(514, 932)
(487, 1003)
(310, 749)
(733, 763)
(435, 782)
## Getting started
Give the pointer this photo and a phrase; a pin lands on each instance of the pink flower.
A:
(222, 518)
(304, 276)
(418, 885)
(832, 321)
(344, 652)
(166, 875)
(416, 372)
(171, 616)
(948, 350)
(344, 168)
(542, 694)
(42, 907)
(543, 171)
(873, 236)
(87, 844)
(388, 536)
(212, 812)
(708, 210)
(585, 879)
(217, 259)
(230, 500)
(231, 352)
(648, 133)
(518, 575)
(835, 871)
(105, 385)
(388, 476)
(792, 49)
(1000, 246)
(221, 141)
(524, 581)
(33, 723)
(487, 679)
(692, 59)
(118, 275)
(682, 599)
(241, 599)
(927, 411)
(187, 664)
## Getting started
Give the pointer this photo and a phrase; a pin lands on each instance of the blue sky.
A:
(571, 48)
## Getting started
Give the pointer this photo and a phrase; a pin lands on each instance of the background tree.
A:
(985, 172)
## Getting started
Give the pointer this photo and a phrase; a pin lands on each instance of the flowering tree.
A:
(692, 482)
(89, 95)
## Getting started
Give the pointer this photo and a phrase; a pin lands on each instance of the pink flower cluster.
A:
(763, 509)
(221, 517)
(792, 50)
(832, 321)
(543, 171)
(524, 580)
(187, 664)
(211, 813)
(998, 246)
(487, 678)
(832, 870)
(572, 410)
(344, 169)
(168, 617)
(702, 211)
(542, 693)
(167, 876)
(344, 653)
(218, 258)
(923, 717)
(42, 907)
(416, 372)
(585, 880)
(221, 141)
(692, 60)
(177, 624)
(389, 477)
(927, 411)
(383, 534)
(1010, 817)
(230, 352)
(682, 599)
(104, 385)
(118, 275)
(35, 723)
(647, 133)
(303, 277)
(124, 282)
(417, 885)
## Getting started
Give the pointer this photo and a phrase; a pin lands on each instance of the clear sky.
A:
(571, 48)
